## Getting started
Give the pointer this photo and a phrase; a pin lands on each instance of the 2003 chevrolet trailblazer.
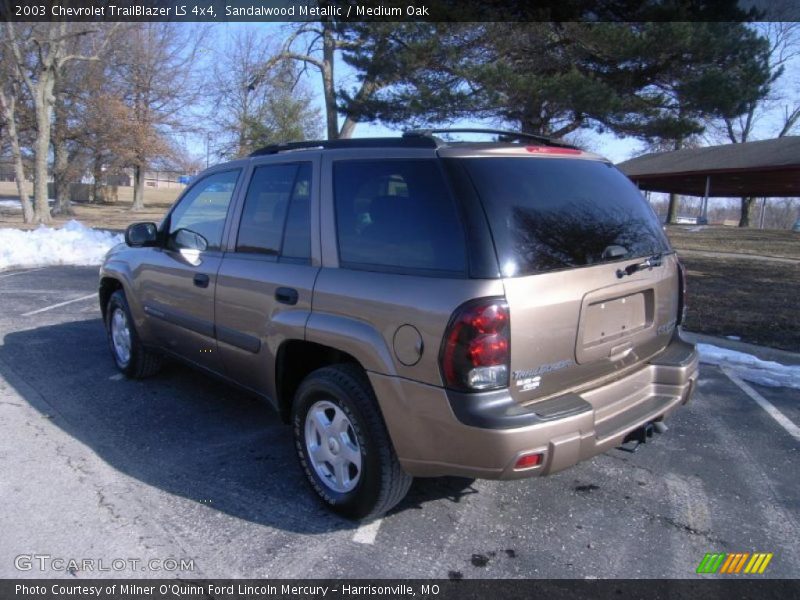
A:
(415, 307)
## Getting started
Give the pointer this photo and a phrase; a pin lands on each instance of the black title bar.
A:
(398, 10)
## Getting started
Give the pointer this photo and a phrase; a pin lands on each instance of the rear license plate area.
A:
(610, 320)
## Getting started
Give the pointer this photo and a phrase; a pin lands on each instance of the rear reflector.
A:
(529, 460)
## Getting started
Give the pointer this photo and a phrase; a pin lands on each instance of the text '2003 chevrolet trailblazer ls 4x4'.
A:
(415, 307)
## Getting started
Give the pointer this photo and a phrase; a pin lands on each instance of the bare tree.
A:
(784, 47)
(249, 113)
(40, 53)
(10, 98)
(155, 69)
(319, 44)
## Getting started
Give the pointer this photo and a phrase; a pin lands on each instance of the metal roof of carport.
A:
(767, 168)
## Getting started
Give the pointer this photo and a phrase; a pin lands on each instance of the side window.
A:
(202, 212)
(274, 191)
(397, 214)
(297, 236)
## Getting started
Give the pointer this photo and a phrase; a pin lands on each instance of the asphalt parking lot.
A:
(93, 466)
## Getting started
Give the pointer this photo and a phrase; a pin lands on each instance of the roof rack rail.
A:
(518, 135)
(401, 142)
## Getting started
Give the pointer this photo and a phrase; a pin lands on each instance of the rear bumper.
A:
(436, 432)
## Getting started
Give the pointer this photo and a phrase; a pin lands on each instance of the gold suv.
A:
(415, 307)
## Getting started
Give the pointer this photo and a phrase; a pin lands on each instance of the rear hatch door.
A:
(590, 279)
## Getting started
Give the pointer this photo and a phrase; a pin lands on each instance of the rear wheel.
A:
(343, 446)
(130, 356)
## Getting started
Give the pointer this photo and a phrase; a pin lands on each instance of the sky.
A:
(615, 148)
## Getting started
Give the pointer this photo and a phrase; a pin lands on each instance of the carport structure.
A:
(767, 169)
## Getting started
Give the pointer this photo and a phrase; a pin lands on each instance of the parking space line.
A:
(51, 307)
(20, 272)
(773, 412)
(366, 533)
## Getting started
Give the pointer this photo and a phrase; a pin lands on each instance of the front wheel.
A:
(343, 446)
(130, 356)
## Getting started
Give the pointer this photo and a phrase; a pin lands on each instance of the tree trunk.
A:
(8, 106)
(672, 210)
(748, 203)
(329, 90)
(138, 188)
(368, 88)
(98, 194)
(348, 128)
(41, 207)
(63, 206)
(43, 101)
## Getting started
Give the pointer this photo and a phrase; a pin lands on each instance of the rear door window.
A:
(550, 214)
(277, 191)
(397, 216)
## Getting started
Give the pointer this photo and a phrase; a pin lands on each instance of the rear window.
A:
(550, 214)
(397, 216)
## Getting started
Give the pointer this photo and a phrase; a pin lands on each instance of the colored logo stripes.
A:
(736, 562)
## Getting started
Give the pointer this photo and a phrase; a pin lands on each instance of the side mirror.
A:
(186, 239)
(140, 235)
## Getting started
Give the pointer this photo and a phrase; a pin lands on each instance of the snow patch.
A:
(72, 244)
(751, 368)
(17, 204)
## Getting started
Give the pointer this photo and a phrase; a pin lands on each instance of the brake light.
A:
(476, 347)
(552, 150)
(681, 293)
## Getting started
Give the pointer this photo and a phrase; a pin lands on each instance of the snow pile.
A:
(751, 368)
(73, 244)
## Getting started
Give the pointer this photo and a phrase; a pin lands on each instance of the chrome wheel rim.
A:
(332, 446)
(121, 337)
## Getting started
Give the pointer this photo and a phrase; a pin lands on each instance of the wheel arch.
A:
(295, 360)
(108, 285)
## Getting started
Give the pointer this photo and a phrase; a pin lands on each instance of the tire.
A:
(339, 402)
(137, 362)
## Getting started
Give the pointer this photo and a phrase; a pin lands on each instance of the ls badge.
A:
(529, 383)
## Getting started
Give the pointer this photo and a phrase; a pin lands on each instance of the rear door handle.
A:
(201, 280)
(286, 295)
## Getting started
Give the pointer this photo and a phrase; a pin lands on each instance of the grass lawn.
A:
(763, 242)
(115, 216)
(756, 300)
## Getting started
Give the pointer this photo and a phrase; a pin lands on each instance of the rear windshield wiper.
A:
(648, 263)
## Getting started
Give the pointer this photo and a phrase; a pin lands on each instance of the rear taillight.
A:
(681, 293)
(476, 347)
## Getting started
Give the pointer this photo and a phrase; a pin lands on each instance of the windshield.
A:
(550, 214)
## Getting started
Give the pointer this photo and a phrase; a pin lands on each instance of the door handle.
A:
(201, 280)
(286, 295)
